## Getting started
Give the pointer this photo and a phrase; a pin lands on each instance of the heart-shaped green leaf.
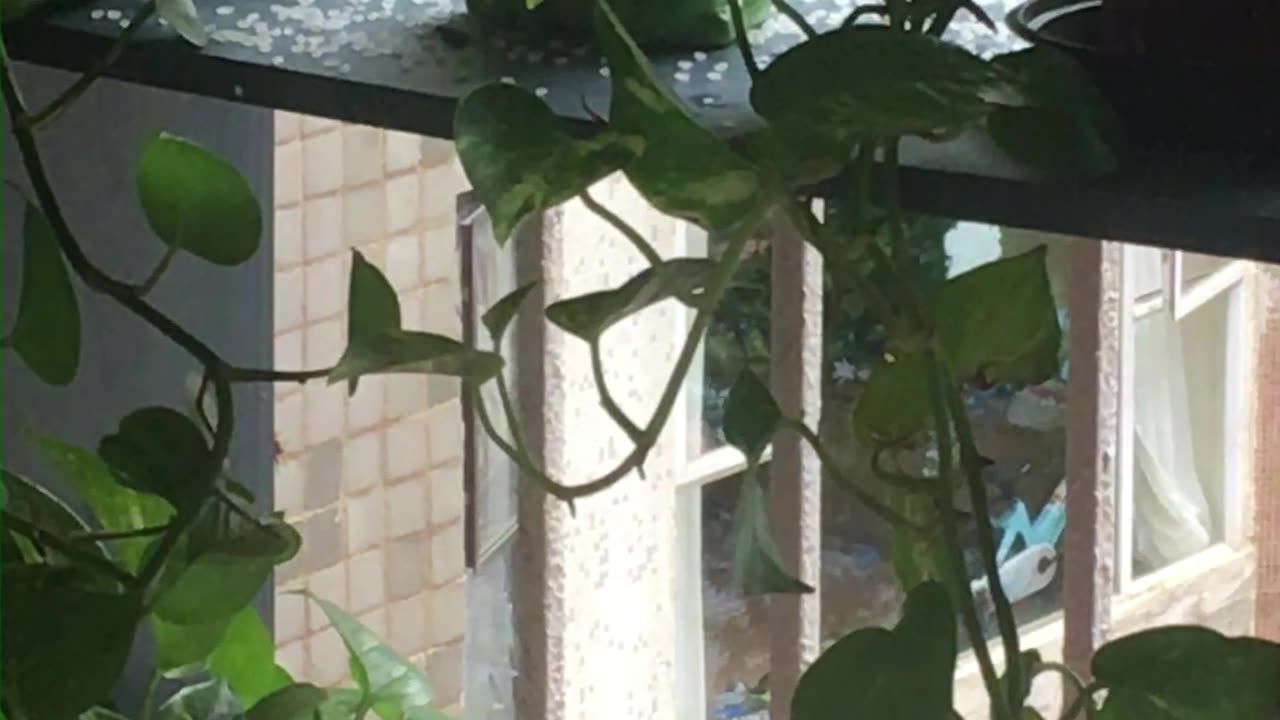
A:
(588, 316)
(181, 646)
(398, 689)
(209, 700)
(245, 659)
(46, 334)
(298, 701)
(376, 344)
(860, 83)
(757, 568)
(198, 202)
(751, 415)
(116, 507)
(520, 161)
(916, 558)
(894, 406)
(182, 17)
(100, 713)
(500, 314)
(221, 580)
(683, 169)
(33, 503)
(1188, 673)
(159, 450)
(1000, 319)
(402, 351)
(55, 628)
(904, 673)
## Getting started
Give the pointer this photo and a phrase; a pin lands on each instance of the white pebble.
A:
(604, 71)
(699, 56)
(98, 14)
(508, 80)
(685, 64)
(225, 10)
(721, 66)
(682, 77)
(715, 76)
(540, 92)
(114, 15)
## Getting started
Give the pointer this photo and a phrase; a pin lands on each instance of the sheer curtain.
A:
(1171, 514)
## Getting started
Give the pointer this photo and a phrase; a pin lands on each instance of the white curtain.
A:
(1171, 515)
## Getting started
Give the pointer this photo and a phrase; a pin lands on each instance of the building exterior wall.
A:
(373, 481)
(1267, 439)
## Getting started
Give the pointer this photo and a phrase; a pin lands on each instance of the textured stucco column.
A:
(796, 475)
(1095, 306)
(607, 571)
(1267, 460)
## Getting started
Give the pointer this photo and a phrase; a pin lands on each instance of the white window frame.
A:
(696, 469)
(1180, 299)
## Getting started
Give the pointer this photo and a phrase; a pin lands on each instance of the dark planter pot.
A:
(1188, 104)
(655, 24)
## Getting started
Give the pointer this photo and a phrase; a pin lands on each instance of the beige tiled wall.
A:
(372, 481)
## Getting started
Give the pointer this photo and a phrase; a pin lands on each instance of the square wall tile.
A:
(407, 510)
(440, 188)
(406, 448)
(445, 430)
(322, 540)
(312, 125)
(404, 262)
(366, 520)
(402, 203)
(364, 214)
(324, 475)
(290, 487)
(289, 297)
(293, 658)
(288, 174)
(290, 422)
(367, 581)
(442, 309)
(366, 408)
(322, 163)
(407, 567)
(406, 395)
(448, 617)
(322, 227)
(362, 462)
(327, 584)
(446, 555)
(404, 151)
(376, 621)
(326, 341)
(290, 611)
(327, 283)
(361, 154)
(440, 257)
(437, 152)
(326, 659)
(444, 668)
(447, 501)
(287, 352)
(288, 126)
(325, 409)
(407, 625)
(287, 239)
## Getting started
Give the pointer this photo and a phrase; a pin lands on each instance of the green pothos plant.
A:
(160, 536)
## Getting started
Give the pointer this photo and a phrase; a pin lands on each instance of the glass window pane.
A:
(1179, 397)
(1020, 429)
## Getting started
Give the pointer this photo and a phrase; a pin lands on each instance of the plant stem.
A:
(651, 256)
(85, 81)
(1083, 698)
(947, 513)
(796, 17)
(972, 465)
(829, 463)
(149, 695)
(742, 39)
(88, 558)
(1065, 672)
(607, 400)
(727, 264)
(126, 296)
(248, 375)
(157, 272)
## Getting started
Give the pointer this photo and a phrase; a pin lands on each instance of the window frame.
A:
(1180, 299)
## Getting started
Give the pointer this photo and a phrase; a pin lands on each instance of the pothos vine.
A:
(168, 520)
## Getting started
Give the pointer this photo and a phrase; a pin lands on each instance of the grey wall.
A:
(90, 153)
